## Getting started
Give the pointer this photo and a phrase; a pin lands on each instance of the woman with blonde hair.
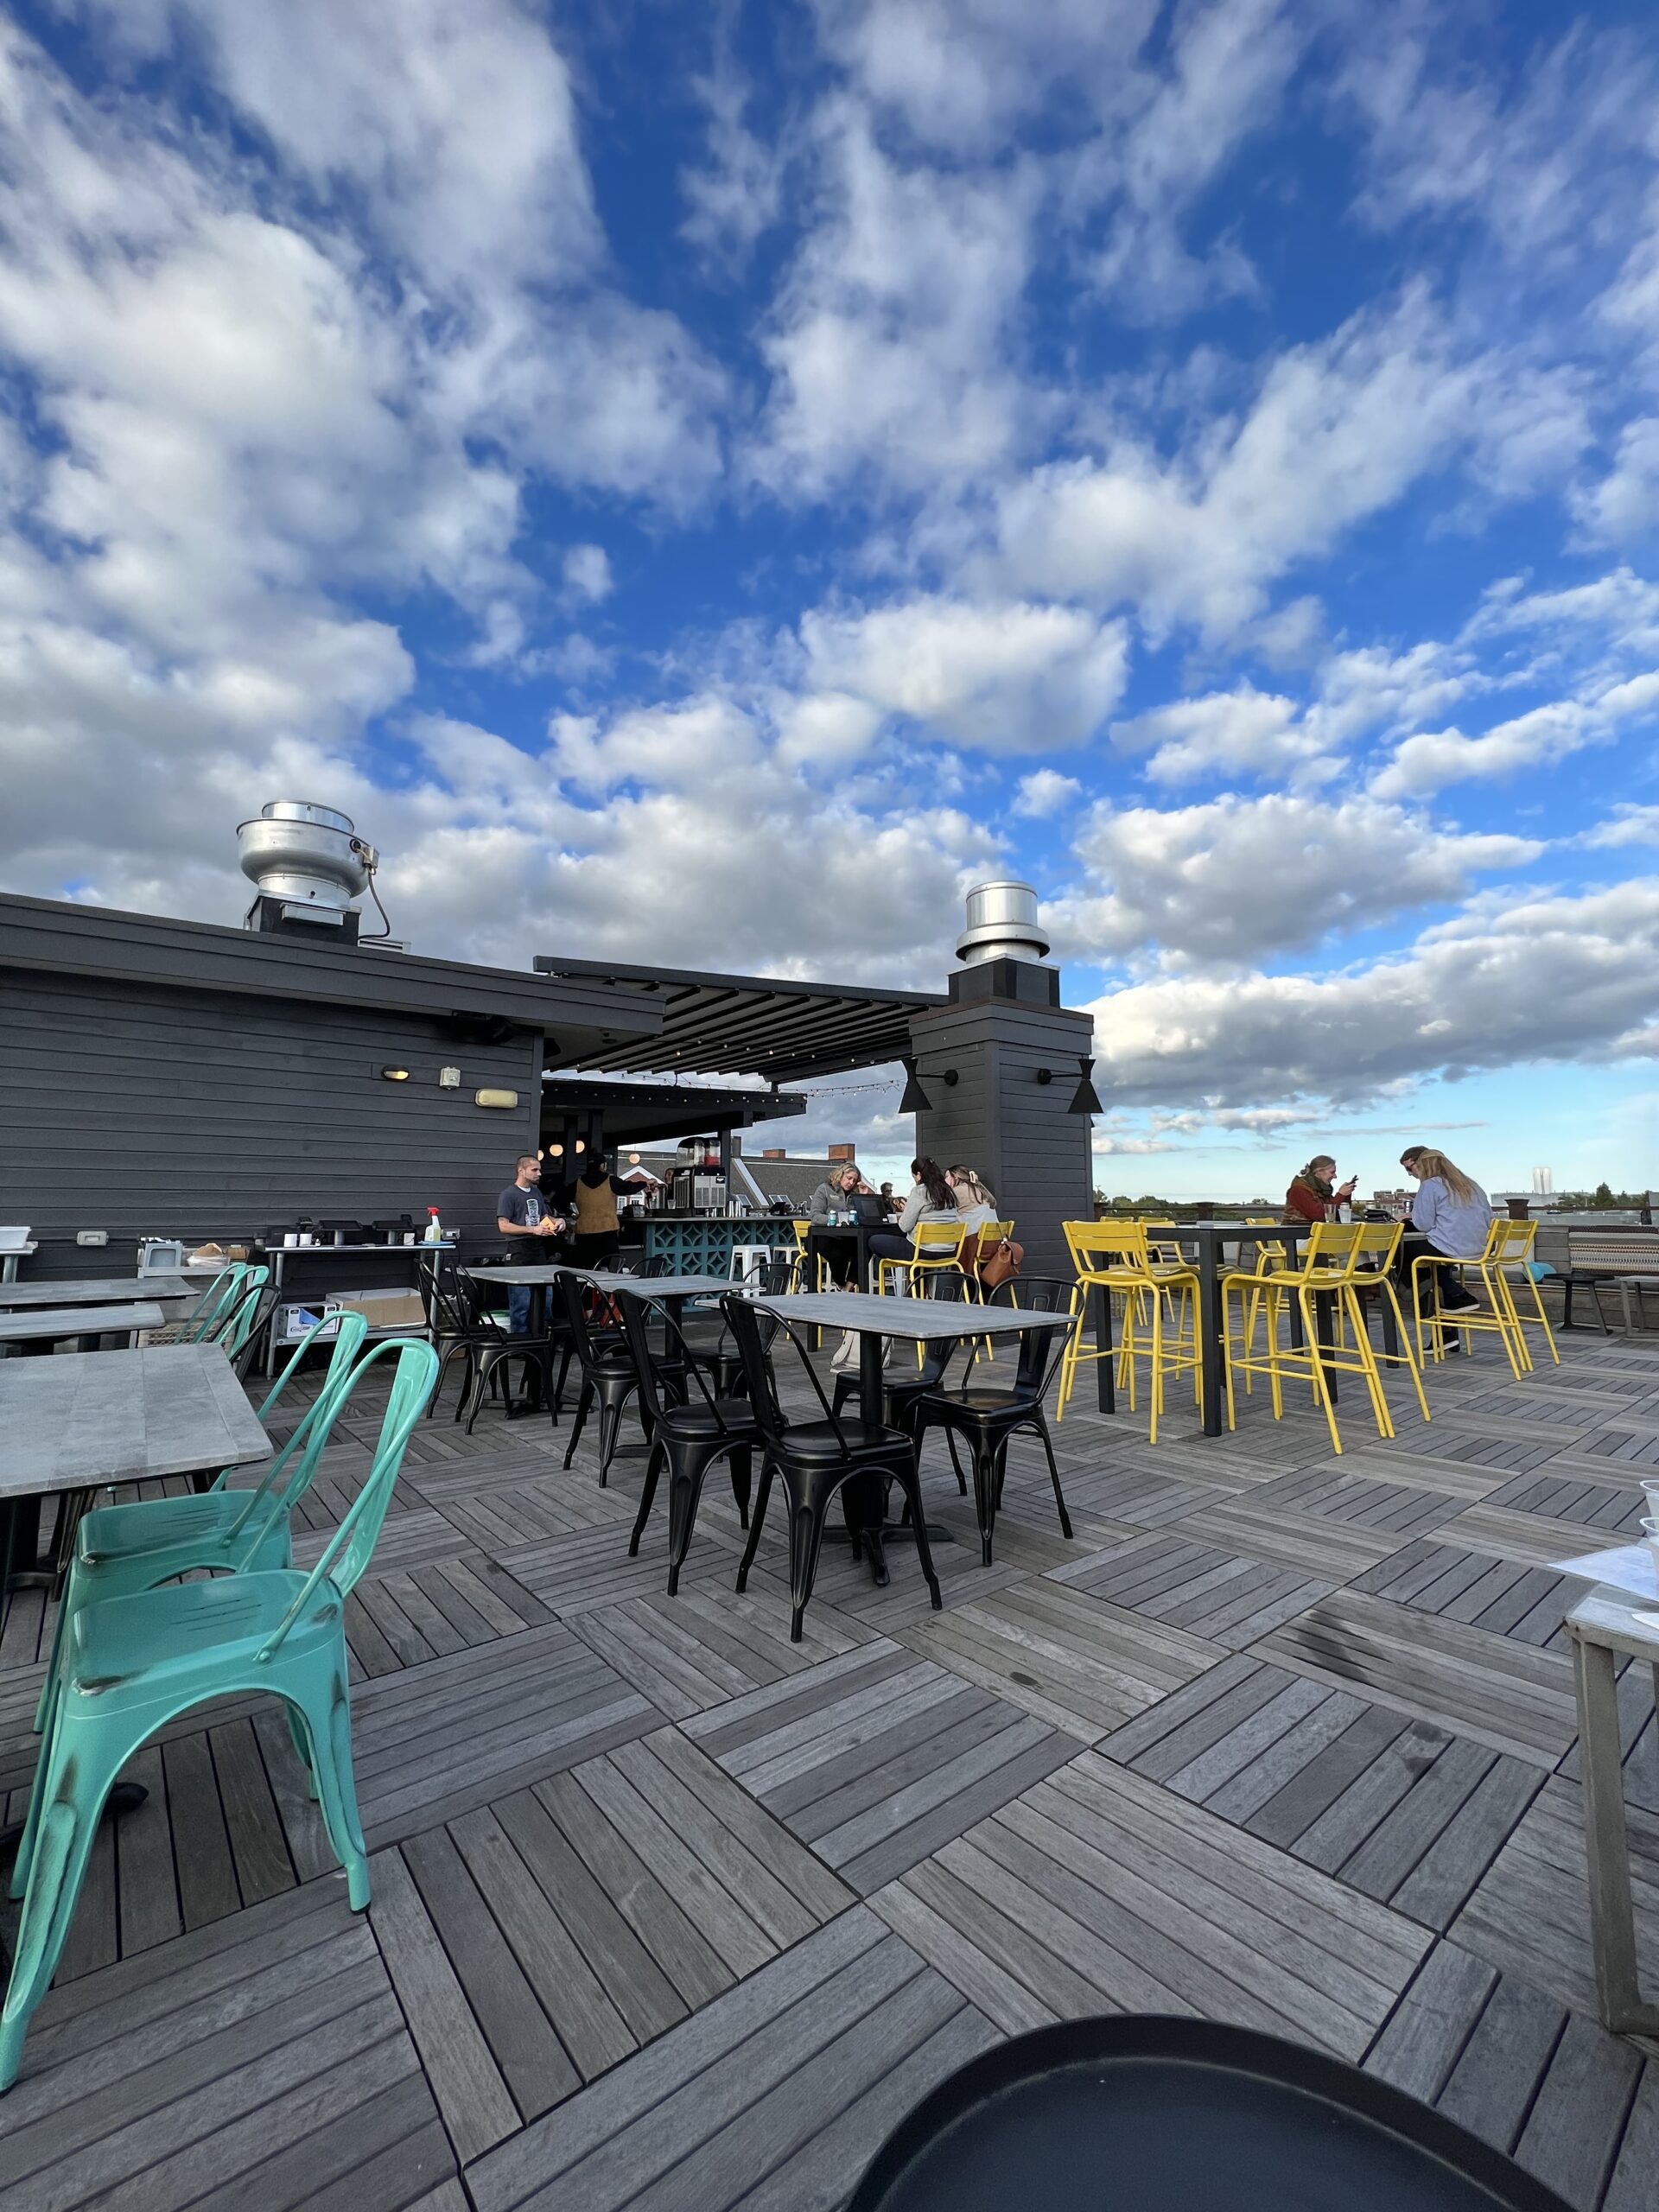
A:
(1450, 1214)
(974, 1202)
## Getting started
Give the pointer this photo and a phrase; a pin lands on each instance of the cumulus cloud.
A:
(1230, 733)
(1043, 792)
(1338, 431)
(1004, 677)
(1628, 825)
(1233, 881)
(890, 347)
(1555, 978)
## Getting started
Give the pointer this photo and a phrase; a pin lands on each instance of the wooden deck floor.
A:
(670, 1913)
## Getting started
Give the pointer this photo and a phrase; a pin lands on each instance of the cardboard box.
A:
(384, 1309)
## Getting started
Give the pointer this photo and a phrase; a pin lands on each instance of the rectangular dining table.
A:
(912, 1320)
(672, 1290)
(96, 1290)
(54, 1324)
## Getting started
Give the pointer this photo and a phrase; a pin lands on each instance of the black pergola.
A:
(747, 1025)
(654, 1113)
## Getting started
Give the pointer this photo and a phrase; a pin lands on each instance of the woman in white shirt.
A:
(932, 1199)
(1450, 1214)
(975, 1204)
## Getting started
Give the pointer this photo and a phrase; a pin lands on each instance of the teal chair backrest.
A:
(288, 1476)
(216, 1300)
(232, 1329)
(352, 1546)
(348, 1335)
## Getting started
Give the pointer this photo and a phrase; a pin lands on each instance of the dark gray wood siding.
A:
(150, 1111)
(999, 1120)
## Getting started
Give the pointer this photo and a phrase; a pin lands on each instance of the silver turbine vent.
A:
(302, 854)
(1002, 924)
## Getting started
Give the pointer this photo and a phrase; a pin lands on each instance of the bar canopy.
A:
(745, 1024)
(655, 1113)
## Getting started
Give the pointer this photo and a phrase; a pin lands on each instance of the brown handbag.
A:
(1002, 1263)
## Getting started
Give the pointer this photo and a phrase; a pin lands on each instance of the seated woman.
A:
(974, 1202)
(932, 1199)
(1312, 1196)
(834, 1195)
(1450, 1214)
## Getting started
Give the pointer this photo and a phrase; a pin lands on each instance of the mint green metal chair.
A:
(234, 1327)
(120, 1549)
(132, 1665)
(210, 1305)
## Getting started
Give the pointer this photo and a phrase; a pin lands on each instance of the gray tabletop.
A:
(101, 1290)
(918, 1319)
(66, 1424)
(603, 1279)
(40, 1324)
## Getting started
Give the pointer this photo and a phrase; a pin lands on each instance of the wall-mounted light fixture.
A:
(500, 1098)
(951, 1079)
(1044, 1075)
(1083, 1100)
(915, 1100)
(396, 1075)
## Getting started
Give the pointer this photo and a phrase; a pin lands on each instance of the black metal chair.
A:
(688, 1434)
(610, 1375)
(903, 1384)
(716, 1353)
(815, 1461)
(986, 1418)
(461, 1328)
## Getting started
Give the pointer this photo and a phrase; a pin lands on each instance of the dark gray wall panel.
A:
(148, 1111)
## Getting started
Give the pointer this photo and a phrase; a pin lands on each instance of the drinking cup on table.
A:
(1650, 1530)
(1651, 1491)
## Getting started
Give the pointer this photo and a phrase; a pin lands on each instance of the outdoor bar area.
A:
(556, 1652)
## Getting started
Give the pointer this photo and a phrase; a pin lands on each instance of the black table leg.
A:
(1325, 1324)
(864, 1503)
(1105, 1382)
(1209, 1345)
(1390, 1326)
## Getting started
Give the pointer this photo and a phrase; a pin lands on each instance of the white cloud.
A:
(1338, 431)
(1556, 978)
(1043, 792)
(736, 195)
(1227, 734)
(1233, 881)
(1628, 825)
(963, 73)
(889, 348)
(588, 573)
(1625, 505)
(1008, 678)
(1536, 739)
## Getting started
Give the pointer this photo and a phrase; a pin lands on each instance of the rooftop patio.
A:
(669, 1912)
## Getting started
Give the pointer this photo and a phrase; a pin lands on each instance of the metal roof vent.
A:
(307, 864)
(1002, 924)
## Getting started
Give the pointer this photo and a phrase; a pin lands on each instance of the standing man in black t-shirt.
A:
(521, 1211)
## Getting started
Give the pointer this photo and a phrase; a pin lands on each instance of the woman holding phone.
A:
(1313, 1196)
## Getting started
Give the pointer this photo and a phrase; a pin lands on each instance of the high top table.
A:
(912, 1320)
(1210, 1237)
(1604, 1627)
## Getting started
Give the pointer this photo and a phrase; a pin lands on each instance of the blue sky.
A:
(711, 483)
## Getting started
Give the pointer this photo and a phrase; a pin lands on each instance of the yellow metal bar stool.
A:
(1328, 1270)
(1435, 1324)
(1113, 1258)
(1506, 1269)
(936, 1249)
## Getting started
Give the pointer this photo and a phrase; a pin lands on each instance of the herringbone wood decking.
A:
(669, 1912)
